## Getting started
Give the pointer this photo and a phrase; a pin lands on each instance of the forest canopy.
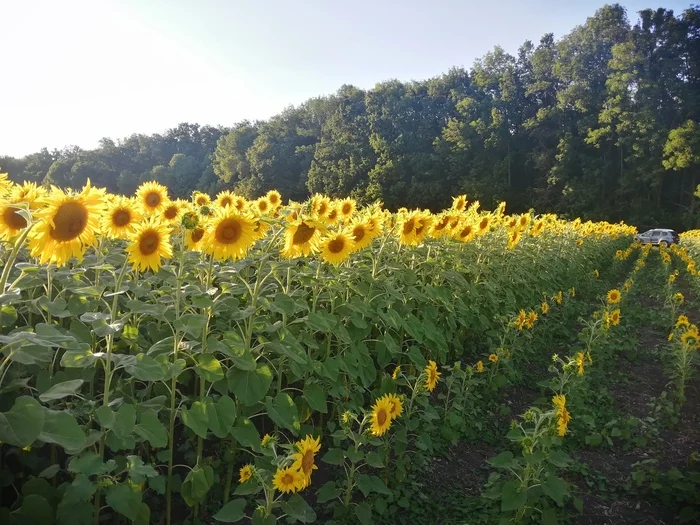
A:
(601, 124)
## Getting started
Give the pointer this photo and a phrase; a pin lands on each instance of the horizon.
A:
(181, 63)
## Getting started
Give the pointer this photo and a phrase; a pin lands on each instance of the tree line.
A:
(602, 124)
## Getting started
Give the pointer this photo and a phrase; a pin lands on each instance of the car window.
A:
(655, 234)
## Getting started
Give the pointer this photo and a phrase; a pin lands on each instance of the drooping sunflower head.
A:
(149, 244)
(120, 218)
(561, 413)
(683, 321)
(614, 296)
(431, 375)
(615, 317)
(152, 198)
(5, 184)
(67, 225)
(596, 273)
(524, 221)
(580, 362)
(288, 480)
(479, 366)
(439, 227)
(336, 247)
(691, 338)
(302, 238)
(304, 458)
(29, 192)
(396, 405)
(459, 203)
(678, 298)
(193, 238)
(201, 199)
(245, 473)
(513, 239)
(381, 416)
(465, 232)
(397, 372)
(229, 234)
(320, 205)
(274, 198)
(333, 215)
(544, 307)
(484, 225)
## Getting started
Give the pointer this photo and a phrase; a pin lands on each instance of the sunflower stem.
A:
(229, 472)
(9, 264)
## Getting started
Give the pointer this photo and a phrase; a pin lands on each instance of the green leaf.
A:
(50, 472)
(246, 434)
(374, 460)
(328, 492)
(78, 358)
(197, 417)
(512, 498)
(138, 471)
(35, 510)
(8, 315)
(197, 484)
(284, 304)
(209, 367)
(151, 429)
(157, 483)
(297, 508)
(60, 427)
(316, 397)
(90, 464)
(61, 390)
(23, 423)
(503, 460)
(321, 321)
(124, 421)
(259, 518)
(234, 348)
(556, 488)
(221, 419)
(124, 500)
(283, 412)
(232, 512)
(250, 386)
(364, 513)
(192, 324)
(334, 456)
(549, 517)
(146, 368)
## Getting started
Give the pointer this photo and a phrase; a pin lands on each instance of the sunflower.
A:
(5, 184)
(30, 193)
(245, 473)
(274, 198)
(524, 221)
(691, 338)
(396, 405)
(580, 361)
(531, 318)
(513, 239)
(484, 225)
(671, 278)
(561, 413)
(320, 205)
(346, 208)
(229, 235)
(336, 247)
(579, 242)
(265, 440)
(301, 238)
(224, 199)
(11, 221)
(678, 298)
(466, 232)
(459, 203)
(193, 239)
(683, 321)
(262, 206)
(148, 243)
(288, 480)
(397, 372)
(414, 227)
(544, 307)
(305, 455)
(67, 225)
(558, 297)
(493, 358)
(375, 224)
(440, 226)
(240, 203)
(381, 416)
(152, 197)
(572, 291)
(615, 317)
(614, 296)
(521, 320)
(201, 199)
(431, 375)
(172, 212)
(121, 217)
(361, 235)
(479, 366)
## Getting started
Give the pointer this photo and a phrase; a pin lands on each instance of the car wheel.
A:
(664, 244)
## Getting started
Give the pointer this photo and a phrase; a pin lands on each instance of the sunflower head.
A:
(152, 198)
(224, 199)
(229, 234)
(149, 244)
(304, 458)
(302, 238)
(337, 247)
(288, 480)
(431, 375)
(381, 416)
(262, 206)
(479, 367)
(274, 198)
(201, 199)
(245, 473)
(120, 218)
(614, 296)
(346, 208)
(459, 203)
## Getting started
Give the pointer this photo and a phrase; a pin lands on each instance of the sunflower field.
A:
(224, 360)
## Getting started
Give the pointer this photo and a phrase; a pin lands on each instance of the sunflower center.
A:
(484, 224)
(197, 234)
(287, 479)
(419, 229)
(170, 212)
(336, 245)
(262, 205)
(153, 199)
(382, 416)
(408, 226)
(149, 242)
(333, 214)
(347, 208)
(322, 208)
(307, 462)
(240, 204)
(273, 199)
(121, 218)
(69, 222)
(226, 201)
(358, 233)
(201, 201)
(229, 231)
(466, 232)
(303, 234)
(13, 219)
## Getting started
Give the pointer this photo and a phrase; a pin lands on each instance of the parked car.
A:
(658, 237)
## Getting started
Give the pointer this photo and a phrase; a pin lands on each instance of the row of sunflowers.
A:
(155, 347)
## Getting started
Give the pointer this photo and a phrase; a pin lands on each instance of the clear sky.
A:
(74, 71)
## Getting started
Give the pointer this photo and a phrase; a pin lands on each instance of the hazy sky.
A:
(74, 71)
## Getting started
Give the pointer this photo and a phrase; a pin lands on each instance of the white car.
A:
(658, 237)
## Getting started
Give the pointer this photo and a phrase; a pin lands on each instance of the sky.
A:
(74, 71)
